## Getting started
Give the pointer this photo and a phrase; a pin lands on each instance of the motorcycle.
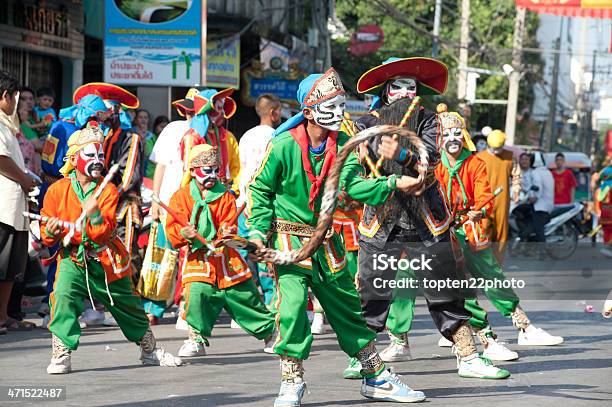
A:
(567, 223)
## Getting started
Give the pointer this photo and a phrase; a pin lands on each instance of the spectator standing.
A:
(141, 126)
(25, 110)
(14, 185)
(565, 182)
(44, 114)
(159, 124)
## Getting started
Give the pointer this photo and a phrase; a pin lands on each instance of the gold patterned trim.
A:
(296, 228)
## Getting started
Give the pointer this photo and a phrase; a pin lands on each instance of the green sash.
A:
(201, 217)
(454, 172)
(83, 195)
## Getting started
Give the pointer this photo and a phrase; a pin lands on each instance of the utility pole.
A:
(463, 51)
(436, 29)
(515, 76)
(552, 112)
(591, 95)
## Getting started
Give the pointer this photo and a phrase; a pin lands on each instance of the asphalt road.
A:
(106, 369)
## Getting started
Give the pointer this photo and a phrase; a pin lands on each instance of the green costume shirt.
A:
(280, 190)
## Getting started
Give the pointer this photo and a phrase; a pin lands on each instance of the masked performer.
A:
(94, 263)
(501, 168)
(464, 178)
(417, 226)
(124, 147)
(283, 204)
(211, 109)
(217, 280)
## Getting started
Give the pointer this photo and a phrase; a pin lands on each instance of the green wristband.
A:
(392, 182)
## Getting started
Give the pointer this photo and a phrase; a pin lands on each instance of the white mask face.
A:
(452, 140)
(330, 113)
(400, 88)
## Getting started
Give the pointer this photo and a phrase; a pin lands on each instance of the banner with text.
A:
(150, 42)
(223, 63)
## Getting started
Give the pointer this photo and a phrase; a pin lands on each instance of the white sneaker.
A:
(290, 394)
(92, 317)
(318, 324)
(110, 321)
(191, 349)
(270, 342)
(60, 365)
(497, 351)
(389, 386)
(234, 325)
(159, 357)
(533, 336)
(476, 366)
(181, 324)
(398, 350)
(444, 343)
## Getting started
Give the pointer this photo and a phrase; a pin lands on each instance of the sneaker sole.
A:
(191, 355)
(352, 375)
(393, 398)
(471, 376)
(58, 372)
(540, 344)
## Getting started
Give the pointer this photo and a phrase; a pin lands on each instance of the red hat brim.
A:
(429, 72)
(183, 105)
(229, 107)
(107, 91)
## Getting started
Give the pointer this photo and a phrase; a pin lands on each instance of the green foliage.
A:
(491, 35)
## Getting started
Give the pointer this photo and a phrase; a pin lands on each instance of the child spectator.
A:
(43, 111)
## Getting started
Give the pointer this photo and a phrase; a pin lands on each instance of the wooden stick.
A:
(415, 102)
(62, 223)
(351, 132)
(176, 217)
(78, 224)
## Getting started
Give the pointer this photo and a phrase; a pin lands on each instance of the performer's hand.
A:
(53, 226)
(474, 216)
(409, 185)
(256, 257)
(189, 232)
(154, 212)
(362, 151)
(389, 148)
(91, 206)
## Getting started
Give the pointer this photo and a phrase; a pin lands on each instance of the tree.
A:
(408, 25)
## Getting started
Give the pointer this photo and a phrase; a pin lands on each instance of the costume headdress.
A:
(204, 102)
(85, 106)
(112, 95)
(449, 120)
(496, 139)
(313, 90)
(203, 155)
(431, 76)
(78, 140)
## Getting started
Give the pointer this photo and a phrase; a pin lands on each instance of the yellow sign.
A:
(223, 63)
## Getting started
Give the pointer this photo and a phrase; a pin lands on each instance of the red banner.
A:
(571, 8)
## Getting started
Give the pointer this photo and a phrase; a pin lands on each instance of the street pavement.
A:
(106, 369)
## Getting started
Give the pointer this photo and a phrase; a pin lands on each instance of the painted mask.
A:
(90, 160)
(400, 88)
(452, 140)
(206, 176)
(329, 114)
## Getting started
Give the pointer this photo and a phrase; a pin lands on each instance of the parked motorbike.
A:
(567, 223)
